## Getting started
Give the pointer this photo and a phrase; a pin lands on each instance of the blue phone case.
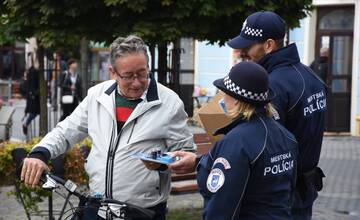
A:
(162, 159)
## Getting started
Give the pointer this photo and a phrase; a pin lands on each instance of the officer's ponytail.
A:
(246, 111)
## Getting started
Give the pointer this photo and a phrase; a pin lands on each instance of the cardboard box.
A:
(211, 117)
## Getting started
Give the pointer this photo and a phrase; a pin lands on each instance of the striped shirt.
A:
(124, 108)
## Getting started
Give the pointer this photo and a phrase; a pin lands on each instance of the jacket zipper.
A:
(110, 161)
(108, 165)
(132, 130)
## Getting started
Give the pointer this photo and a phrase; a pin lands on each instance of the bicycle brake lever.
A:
(115, 209)
(50, 183)
(111, 209)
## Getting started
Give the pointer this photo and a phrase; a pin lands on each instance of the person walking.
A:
(71, 89)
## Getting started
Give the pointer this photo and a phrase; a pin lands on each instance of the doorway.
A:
(334, 42)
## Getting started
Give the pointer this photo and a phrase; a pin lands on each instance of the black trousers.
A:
(68, 109)
(160, 210)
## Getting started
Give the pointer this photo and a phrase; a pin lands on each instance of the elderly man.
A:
(125, 116)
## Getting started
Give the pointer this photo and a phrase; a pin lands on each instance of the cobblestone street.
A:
(340, 159)
(339, 200)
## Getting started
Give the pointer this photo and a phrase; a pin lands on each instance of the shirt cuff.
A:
(40, 153)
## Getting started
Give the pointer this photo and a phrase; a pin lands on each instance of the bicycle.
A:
(111, 208)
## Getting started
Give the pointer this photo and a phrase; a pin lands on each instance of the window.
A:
(337, 19)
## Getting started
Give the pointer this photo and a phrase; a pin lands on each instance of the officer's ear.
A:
(269, 46)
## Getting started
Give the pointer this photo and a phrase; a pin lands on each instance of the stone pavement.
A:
(339, 200)
(340, 160)
(33, 130)
(16, 130)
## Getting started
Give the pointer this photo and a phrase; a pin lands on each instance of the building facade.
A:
(334, 25)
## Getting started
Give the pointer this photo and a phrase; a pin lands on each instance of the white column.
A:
(196, 63)
(355, 68)
(309, 37)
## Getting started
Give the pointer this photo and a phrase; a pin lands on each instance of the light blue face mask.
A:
(222, 105)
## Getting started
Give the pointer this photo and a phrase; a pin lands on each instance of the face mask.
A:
(222, 105)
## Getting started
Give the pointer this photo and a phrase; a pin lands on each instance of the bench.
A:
(184, 183)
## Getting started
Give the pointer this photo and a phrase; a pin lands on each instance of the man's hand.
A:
(186, 164)
(31, 171)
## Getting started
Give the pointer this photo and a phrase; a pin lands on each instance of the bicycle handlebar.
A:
(51, 181)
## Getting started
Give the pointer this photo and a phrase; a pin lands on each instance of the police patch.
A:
(222, 161)
(215, 180)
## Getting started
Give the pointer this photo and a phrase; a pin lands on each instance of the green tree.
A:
(160, 22)
(53, 24)
(66, 23)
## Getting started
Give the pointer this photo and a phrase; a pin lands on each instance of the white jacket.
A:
(159, 121)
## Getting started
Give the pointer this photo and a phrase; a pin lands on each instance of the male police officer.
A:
(300, 98)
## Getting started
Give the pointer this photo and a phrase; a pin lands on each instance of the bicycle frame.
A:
(111, 207)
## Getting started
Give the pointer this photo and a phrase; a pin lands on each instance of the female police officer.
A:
(250, 173)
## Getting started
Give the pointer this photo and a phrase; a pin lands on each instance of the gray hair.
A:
(124, 46)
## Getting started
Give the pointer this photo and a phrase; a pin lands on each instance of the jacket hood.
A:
(282, 57)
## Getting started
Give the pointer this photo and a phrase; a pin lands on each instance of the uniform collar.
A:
(229, 127)
(282, 57)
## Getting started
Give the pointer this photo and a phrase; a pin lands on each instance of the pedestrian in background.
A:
(321, 64)
(71, 90)
(32, 92)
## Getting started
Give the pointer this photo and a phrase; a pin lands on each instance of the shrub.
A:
(74, 170)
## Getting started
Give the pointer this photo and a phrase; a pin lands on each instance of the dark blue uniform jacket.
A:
(250, 173)
(301, 103)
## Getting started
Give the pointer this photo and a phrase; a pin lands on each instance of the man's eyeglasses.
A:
(142, 77)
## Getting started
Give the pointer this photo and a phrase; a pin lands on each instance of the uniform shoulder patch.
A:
(222, 161)
(215, 180)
